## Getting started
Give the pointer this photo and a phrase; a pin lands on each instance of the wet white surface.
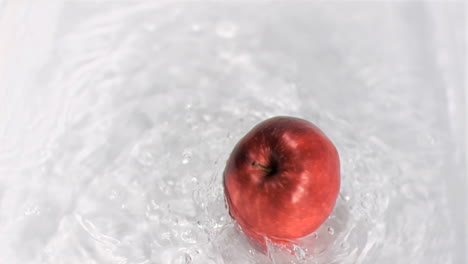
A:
(116, 120)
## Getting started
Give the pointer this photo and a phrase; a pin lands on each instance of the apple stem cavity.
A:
(261, 167)
(268, 170)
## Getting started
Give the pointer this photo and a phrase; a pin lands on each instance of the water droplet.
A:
(195, 27)
(187, 155)
(165, 189)
(166, 236)
(146, 158)
(366, 195)
(154, 205)
(346, 198)
(331, 231)
(113, 195)
(226, 30)
(156, 47)
(183, 258)
(152, 215)
(207, 118)
(365, 204)
(314, 235)
(149, 27)
(32, 210)
(407, 190)
(174, 70)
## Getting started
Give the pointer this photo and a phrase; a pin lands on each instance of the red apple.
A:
(282, 180)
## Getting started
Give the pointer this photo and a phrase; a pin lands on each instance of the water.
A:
(114, 138)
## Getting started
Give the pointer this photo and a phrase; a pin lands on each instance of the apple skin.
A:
(282, 180)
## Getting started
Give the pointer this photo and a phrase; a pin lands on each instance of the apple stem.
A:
(262, 167)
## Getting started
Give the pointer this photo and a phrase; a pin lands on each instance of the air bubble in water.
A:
(299, 253)
(344, 245)
(188, 237)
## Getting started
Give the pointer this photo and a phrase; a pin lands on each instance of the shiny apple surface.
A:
(281, 180)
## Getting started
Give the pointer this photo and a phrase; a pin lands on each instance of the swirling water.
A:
(134, 109)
